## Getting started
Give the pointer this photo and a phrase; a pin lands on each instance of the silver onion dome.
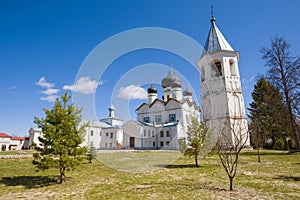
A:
(168, 80)
(152, 89)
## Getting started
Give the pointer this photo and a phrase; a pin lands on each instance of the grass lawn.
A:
(16, 152)
(156, 175)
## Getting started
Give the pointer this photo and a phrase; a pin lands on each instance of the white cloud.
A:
(132, 92)
(49, 98)
(50, 91)
(44, 83)
(12, 89)
(252, 78)
(83, 85)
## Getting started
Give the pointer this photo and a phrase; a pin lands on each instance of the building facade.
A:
(162, 123)
(8, 142)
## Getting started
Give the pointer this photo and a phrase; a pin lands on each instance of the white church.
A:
(162, 123)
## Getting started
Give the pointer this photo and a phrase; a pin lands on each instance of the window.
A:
(153, 144)
(216, 69)
(158, 119)
(161, 144)
(110, 145)
(202, 74)
(152, 133)
(111, 135)
(168, 97)
(149, 133)
(106, 134)
(146, 119)
(167, 133)
(232, 67)
(161, 133)
(145, 132)
(105, 145)
(168, 143)
(172, 118)
(92, 132)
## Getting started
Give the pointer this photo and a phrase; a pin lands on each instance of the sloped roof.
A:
(4, 135)
(215, 40)
(18, 138)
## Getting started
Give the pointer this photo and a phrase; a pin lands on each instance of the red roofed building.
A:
(8, 142)
(5, 140)
(18, 143)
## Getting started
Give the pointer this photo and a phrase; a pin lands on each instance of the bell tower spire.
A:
(212, 14)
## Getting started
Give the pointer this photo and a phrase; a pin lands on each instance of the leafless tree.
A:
(232, 140)
(284, 73)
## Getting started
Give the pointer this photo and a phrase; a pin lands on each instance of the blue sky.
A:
(43, 44)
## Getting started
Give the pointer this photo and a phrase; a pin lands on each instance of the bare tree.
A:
(284, 73)
(232, 140)
(196, 134)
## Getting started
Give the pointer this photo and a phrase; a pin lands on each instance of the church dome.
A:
(168, 80)
(152, 89)
(176, 83)
(187, 92)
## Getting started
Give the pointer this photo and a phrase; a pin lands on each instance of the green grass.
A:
(156, 175)
(16, 152)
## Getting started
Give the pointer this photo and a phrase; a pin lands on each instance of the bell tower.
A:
(221, 91)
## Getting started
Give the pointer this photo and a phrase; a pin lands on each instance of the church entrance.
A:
(131, 141)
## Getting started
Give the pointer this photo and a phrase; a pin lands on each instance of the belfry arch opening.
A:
(202, 74)
(216, 68)
(232, 67)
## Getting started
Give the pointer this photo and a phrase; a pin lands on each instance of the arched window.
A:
(216, 69)
(232, 67)
(202, 74)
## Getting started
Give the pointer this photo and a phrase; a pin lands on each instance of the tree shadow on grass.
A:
(288, 178)
(297, 163)
(29, 181)
(178, 166)
(262, 153)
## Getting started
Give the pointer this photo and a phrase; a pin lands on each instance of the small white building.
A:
(106, 133)
(8, 142)
(34, 135)
(5, 140)
(19, 143)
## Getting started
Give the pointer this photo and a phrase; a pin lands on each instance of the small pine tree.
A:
(195, 138)
(61, 138)
(91, 152)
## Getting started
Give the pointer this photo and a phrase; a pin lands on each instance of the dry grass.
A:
(277, 177)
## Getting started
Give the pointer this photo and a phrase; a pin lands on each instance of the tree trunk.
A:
(196, 161)
(62, 175)
(231, 183)
(294, 129)
(258, 154)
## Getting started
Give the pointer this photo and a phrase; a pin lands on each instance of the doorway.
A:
(131, 141)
